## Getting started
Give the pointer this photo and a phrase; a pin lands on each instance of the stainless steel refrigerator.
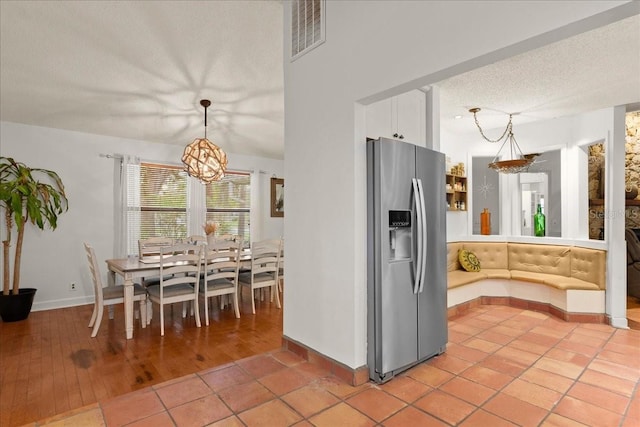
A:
(407, 256)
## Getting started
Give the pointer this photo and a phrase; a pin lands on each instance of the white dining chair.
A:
(180, 267)
(265, 258)
(197, 239)
(149, 250)
(110, 295)
(220, 276)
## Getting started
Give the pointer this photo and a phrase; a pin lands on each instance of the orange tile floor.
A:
(503, 367)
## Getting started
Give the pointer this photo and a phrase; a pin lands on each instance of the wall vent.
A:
(307, 26)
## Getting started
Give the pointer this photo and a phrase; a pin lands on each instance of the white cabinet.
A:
(401, 117)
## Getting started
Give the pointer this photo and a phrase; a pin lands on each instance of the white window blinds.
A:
(229, 204)
(163, 201)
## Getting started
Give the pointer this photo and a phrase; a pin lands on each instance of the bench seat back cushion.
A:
(589, 265)
(452, 256)
(490, 254)
(549, 259)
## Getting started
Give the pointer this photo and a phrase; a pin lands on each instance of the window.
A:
(162, 200)
(228, 204)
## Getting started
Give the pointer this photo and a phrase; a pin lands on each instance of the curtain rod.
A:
(120, 156)
(111, 156)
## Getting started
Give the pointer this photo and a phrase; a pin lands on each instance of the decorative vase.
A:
(485, 222)
(539, 222)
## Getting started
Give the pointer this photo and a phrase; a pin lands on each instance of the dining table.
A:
(132, 268)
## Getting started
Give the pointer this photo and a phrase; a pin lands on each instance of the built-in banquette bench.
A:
(565, 281)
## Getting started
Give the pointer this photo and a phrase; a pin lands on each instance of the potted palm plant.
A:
(25, 198)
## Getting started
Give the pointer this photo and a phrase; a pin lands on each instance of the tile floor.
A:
(503, 367)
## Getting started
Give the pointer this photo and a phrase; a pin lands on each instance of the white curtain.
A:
(196, 207)
(255, 220)
(127, 205)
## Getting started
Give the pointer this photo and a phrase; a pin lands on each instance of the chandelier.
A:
(202, 158)
(516, 162)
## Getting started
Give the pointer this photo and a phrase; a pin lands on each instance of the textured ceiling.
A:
(594, 70)
(138, 70)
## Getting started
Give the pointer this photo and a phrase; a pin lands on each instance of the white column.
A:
(616, 294)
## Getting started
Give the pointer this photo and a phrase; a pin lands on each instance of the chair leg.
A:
(195, 306)
(235, 305)
(94, 315)
(161, 320)
(98, 320)
(142, 306)
(253, 301)
(206, 310)
(149, 311)
(111, 310)
(274, 290)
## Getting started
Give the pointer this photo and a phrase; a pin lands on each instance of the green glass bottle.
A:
(539, 222)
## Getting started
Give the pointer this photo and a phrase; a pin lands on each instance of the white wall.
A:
(374, 50)
(53, 260)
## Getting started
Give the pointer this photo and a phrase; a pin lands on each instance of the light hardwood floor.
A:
(49, 363)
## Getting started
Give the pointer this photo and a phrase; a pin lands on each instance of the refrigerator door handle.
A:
(419, 238)
(423, 237)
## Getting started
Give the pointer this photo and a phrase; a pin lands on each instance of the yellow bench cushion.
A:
(496, 273)
(564, 283)
(460, 277)
(561, 267)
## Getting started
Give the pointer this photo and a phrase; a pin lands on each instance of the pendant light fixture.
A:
(516, 162)
(202, 158)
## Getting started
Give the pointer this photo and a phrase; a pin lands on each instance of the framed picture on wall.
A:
(277, 197)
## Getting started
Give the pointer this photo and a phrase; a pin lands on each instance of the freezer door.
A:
(392, 305)
(432, 301)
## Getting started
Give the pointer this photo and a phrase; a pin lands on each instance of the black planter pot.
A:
(14, 308)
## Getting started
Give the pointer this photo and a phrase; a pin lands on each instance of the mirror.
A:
(485, 194)
(534, 187)
(541, 184)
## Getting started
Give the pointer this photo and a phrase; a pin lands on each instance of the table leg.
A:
(128, 305)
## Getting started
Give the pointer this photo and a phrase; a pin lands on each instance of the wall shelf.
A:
(456, 193)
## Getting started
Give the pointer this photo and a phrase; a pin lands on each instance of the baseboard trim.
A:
(354, 377)
(542, 307)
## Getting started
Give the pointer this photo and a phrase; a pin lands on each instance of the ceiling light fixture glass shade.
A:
(202, 158)
(516, 162)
